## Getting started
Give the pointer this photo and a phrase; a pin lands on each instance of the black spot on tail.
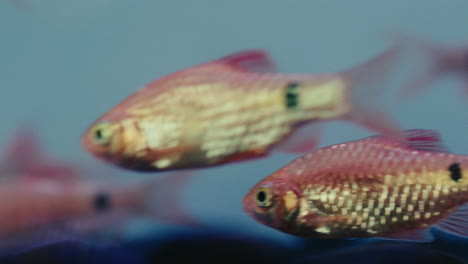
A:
(292, 95)
(102, 202)
(455, 171)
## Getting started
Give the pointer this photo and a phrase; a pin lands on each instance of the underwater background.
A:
(64, 63)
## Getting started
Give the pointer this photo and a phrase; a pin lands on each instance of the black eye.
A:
(98, 134)
(101, 134)
(261, 196)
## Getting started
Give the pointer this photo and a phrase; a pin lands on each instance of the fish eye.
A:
(101, 134)
(263, 197)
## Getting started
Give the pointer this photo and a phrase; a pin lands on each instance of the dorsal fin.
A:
(421, 139)
(24, 157)
(425, 140)
(249, 60)
(23, 152)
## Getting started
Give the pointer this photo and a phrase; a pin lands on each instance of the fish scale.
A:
(353, 190)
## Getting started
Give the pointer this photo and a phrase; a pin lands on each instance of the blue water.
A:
(64, 63)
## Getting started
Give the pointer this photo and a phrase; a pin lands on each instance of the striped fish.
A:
(237, 108)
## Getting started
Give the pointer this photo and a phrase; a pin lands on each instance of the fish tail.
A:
(366, 84)
(425, 59)
(161, 199)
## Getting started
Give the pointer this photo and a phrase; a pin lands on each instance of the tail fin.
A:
(430, 62)
(366, 83)
(427, 60)
(162, 196)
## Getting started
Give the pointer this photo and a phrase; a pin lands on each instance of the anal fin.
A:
(305, 139)
(456, 223)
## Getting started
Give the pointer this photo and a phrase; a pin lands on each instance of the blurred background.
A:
(63, 63)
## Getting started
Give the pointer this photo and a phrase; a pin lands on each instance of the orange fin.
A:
(250, 60)
(304, 139)
(246, 155)
(456, 223)
(366, 84)
(162, 198)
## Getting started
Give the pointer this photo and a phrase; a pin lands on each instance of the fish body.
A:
(235, 108)
(374, 187)
(29, 204)
(42, 199)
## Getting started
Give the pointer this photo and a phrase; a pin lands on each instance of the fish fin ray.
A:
(365, 85)
(305, 139)
(417, 235)
(425, 140)
(422, 139)
(250, 60)
(456, 223)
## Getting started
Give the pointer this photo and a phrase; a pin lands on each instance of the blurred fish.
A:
(43, 203)
(236, 108)
(374, 187)
(38, 202)
(436, 61)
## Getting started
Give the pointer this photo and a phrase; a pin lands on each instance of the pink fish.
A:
(47, 198)
(436, 61)
(237, 108)
(374, 187)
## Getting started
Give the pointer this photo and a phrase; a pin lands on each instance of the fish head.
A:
(135, 143)
(151, 130)
(101, 139)
(273, 202)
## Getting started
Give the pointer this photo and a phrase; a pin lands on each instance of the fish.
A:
(48, 200)
(372, 187)
(237, 108)
(433, 62)
(37, 203)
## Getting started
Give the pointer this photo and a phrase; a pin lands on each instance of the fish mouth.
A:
(85, 143)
